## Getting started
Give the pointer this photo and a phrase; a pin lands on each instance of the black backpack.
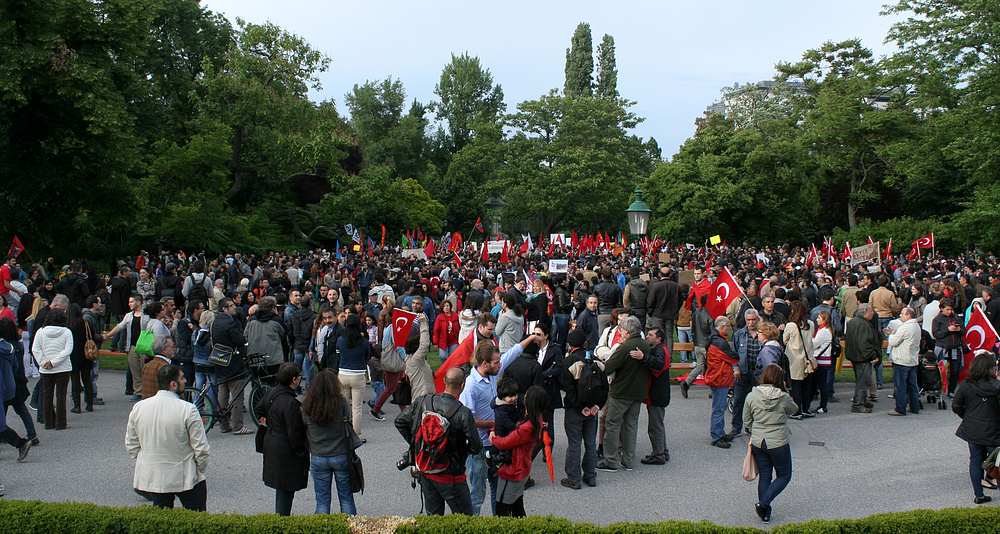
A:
(198, 292)
(592, 387)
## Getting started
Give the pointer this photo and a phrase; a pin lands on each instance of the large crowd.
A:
(515, 340)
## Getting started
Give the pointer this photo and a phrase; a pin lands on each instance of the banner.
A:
(558, 239)
(495, 247)
(418, 252)
(865, 253)
(558, 266)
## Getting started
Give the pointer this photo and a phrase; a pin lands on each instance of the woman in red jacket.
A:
(512, 476)
(446, 331)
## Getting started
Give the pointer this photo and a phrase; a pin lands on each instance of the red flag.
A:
(914, 254)
(888, 250)
(429, 249)
(708, 264)
(458, 261)
(498, 237)
(979, 332)
(870, 242)
(455, 241)
(552, 246)
(383, 236)
(524, 248)
(927, 241)
(486, 255)
(504, 256)
(402, 321)
(15, 247)
(847, 252)
(479, 224)
(722, 293)
(574, 241)
(607, 240)
(812, 256)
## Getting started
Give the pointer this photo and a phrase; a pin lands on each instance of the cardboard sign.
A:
(418, 252)
(865, 253)
(663, 257)
(558, 266)
(686, 277)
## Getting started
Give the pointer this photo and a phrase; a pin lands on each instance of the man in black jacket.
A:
(609, 297)
(184, 355)
(702, 327)
(659, 395)
(226, 331)
(587, 323)
(121, 290)
(74, 286)
(580, 420)
(663, 305)
(301, 331)
(463, 439)
(862, 349)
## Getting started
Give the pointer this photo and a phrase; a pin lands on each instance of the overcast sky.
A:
(673, 57)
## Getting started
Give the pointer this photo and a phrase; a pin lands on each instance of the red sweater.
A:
(446, 330)
(521, 441)
(721, 359)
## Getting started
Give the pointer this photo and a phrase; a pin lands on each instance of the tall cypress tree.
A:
(607, 71)
(580, 63)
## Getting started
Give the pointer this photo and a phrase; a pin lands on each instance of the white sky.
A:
(673, 57)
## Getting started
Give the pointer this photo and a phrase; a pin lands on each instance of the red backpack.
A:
(431, 439)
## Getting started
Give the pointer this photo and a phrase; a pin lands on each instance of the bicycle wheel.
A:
(256, 394)
(206, 406)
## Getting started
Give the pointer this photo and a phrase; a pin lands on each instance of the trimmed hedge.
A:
(34, 517)
(45, 518)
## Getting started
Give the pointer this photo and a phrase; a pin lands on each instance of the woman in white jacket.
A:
(798, 341)
(52, 348)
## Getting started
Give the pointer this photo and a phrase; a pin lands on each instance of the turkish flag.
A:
(927, 241)
(914, 253)
(402, 322)
(847, 252)
(429, 249)
(722, 293)
(458, 261)
(979, 333)
(811, 257)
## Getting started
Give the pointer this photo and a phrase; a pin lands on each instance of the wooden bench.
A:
(688, 347)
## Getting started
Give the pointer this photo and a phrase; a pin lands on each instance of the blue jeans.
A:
(825, 375)
(580, 430)
(201, 378)
(778, 459)
(904, 382)
(306, 364)
(719, 398)
(443, 353)
(118, 343)
(684, 336)
(882, 323)
(479, 476)
(561, 330)
(94, 373)
(22, 411)
(325, 469)
(741, 389)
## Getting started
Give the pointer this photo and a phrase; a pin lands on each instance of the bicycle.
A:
(254, 371)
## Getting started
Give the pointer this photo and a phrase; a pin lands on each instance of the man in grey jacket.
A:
(904, 350)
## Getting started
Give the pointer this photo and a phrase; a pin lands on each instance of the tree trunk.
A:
(852, 208)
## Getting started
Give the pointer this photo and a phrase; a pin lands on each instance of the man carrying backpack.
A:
(586, 388)
(442, 433)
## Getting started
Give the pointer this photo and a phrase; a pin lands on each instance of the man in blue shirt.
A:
(480, 389)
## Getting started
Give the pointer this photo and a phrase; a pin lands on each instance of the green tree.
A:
(580, 63)
(468, 96)
(607, 71)
(386, 136)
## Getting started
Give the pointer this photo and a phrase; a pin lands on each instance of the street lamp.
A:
(638, 218)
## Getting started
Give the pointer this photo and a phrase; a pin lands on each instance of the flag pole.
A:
(932, 247)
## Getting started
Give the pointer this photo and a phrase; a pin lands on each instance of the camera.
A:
(405, 461)
(496, 458)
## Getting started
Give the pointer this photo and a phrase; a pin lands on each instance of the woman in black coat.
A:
(286, 455)
(976, 402)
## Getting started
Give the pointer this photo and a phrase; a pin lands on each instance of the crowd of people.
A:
(516, 342)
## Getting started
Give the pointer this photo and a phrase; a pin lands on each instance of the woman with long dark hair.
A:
(512, 476)
(82, 367)
(327, 420)
(765, 415)
(976, 402)
(798, 341)
(354, 351)
(286, 456)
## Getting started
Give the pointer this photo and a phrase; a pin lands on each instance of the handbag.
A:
(392, 362)
(90, 350)
(750, 470)
(990, 466)
(259, 438)
(221, 355)
(355, 469)
(404, 393)
(145, 344)
(810, 368)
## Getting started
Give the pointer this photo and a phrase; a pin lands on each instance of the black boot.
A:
(90, 406)
(76, 407)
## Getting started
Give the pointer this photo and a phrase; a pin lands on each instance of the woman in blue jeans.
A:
(976, 402)
(765, 415)
(328, 430)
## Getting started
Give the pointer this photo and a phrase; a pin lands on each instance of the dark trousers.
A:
(862, 381)
(803, 391)
(11, 437)
(81, 382)
(192, 499)
(977, 455)
(22, 411)
(581, 433)
(514, 509)
(904, 382)
(283, 502)
(823, 375)
(54, 399)
(437, 493)
(780, 461)
(741, 388)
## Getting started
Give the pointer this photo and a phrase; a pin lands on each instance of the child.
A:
(506, 411)
(512, 476)
(375, 370)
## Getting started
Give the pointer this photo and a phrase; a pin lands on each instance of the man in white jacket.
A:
(166, 437)
(904, 352)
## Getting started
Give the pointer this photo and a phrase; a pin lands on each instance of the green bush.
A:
(31, 517)
(459, 524)
(982, 520)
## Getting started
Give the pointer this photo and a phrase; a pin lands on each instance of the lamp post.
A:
(495, 205)
(638, 219)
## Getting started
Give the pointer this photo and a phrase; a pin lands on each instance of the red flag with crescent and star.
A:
(979, 333)
(402, 322)
(722, 293)
(926, 242)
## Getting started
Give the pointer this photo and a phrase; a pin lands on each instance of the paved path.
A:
(866, 464)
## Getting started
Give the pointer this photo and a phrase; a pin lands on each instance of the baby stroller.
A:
(929, 376)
